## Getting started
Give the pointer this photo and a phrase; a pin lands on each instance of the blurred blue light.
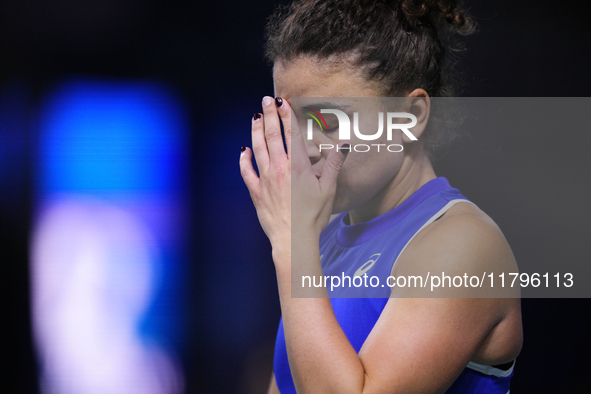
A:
(108, 245)
(99, 136)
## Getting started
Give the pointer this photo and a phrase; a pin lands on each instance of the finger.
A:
(247, 171)
(273, 131)
(259, 145)
(288, 119)
(332, 166)
(298, 153)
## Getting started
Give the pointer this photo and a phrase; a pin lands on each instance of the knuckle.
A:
(259, 150)
(334, 164)
(244, 172)
(270, 109)
(273, 133)
(280, 171)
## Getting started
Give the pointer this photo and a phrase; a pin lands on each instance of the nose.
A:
(313, 151)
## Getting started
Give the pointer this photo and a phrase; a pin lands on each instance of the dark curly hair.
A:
(395, 43)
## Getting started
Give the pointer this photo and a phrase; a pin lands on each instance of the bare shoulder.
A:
(333, 217)
(463, 240)
(465, 243)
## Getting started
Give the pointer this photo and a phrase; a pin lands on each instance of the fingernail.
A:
(345, 149)
(278, 101)
(267, 101)
(257, 116)
(243, 149)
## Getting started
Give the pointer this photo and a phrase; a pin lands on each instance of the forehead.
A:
(307, 77)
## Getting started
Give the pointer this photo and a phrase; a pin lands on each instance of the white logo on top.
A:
(367, 265)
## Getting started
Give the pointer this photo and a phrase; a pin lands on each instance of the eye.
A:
(331, 130)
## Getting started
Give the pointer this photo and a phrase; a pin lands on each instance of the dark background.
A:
(210, 53)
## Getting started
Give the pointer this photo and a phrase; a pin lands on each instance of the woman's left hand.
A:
(287, 185)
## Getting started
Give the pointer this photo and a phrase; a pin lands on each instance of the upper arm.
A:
(273, 389)
(421, 345)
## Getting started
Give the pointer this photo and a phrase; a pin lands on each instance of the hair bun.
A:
(425, 12)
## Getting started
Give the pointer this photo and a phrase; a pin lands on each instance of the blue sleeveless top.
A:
(371, 248)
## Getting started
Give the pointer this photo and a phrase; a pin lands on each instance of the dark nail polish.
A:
(243, 149)
(278, 101)
(257, 116)
(345, 149)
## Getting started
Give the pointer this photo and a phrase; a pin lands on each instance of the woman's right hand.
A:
(282, 173)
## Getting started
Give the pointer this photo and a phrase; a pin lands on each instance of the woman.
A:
(401, 344)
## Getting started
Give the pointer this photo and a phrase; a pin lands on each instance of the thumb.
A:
(333, 165)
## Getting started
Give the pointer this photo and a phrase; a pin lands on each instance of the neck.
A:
(415, 171)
